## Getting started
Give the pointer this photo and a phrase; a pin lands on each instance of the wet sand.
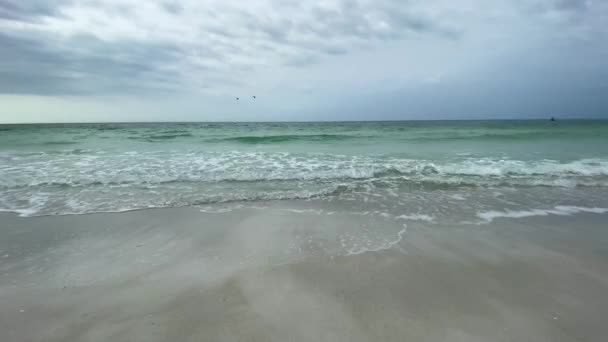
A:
(278, 275)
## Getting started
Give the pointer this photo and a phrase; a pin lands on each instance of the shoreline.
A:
(320, 204)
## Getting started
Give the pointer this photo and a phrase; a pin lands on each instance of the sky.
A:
(188, 60)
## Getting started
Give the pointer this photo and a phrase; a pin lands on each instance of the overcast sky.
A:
(187, 60)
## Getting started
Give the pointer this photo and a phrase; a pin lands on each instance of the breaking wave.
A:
(86, 181)
(133, 168)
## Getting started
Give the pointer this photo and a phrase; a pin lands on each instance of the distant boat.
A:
(552, 119)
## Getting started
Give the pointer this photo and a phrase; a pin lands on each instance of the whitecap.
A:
(416, 217)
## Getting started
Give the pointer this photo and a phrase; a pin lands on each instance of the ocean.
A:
(434, 171)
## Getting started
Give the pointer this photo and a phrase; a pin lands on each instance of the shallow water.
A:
(440, 170)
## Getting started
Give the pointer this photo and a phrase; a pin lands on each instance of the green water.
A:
(82, 168)
(562, 139)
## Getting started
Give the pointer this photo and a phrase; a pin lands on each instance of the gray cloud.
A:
(29, 10)
(79, 47)
(572, 5)
(303, 52)
(172, 7)
(568, 9)
(38, 66)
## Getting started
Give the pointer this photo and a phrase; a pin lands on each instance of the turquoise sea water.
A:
(434, 169)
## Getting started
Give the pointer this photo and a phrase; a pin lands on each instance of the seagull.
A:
(254, 97)
(237, 98)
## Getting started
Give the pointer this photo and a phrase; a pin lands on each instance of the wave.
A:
(502, 135)
(110, 128)
(79, 169)
(343, 184)
(59, 143)
(49, 183)
(416, 217)
(272, 139)
(161, 137)
(45, 204)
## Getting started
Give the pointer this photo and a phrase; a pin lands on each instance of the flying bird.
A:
(237, 98)
(254, 97)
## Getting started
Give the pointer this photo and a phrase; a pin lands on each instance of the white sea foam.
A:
(220, 210)
(306, 211)
(489, 216)
(89, 181)
(377, 246)
(457, 197)
(36, 203)
(149, 168)
(416, 217)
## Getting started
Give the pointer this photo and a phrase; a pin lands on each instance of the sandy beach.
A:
(272, 274)
(303, 171)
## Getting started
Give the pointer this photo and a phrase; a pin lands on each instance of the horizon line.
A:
(306, 121)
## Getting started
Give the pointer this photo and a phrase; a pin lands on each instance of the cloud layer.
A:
(90, 46)
(217, 48)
